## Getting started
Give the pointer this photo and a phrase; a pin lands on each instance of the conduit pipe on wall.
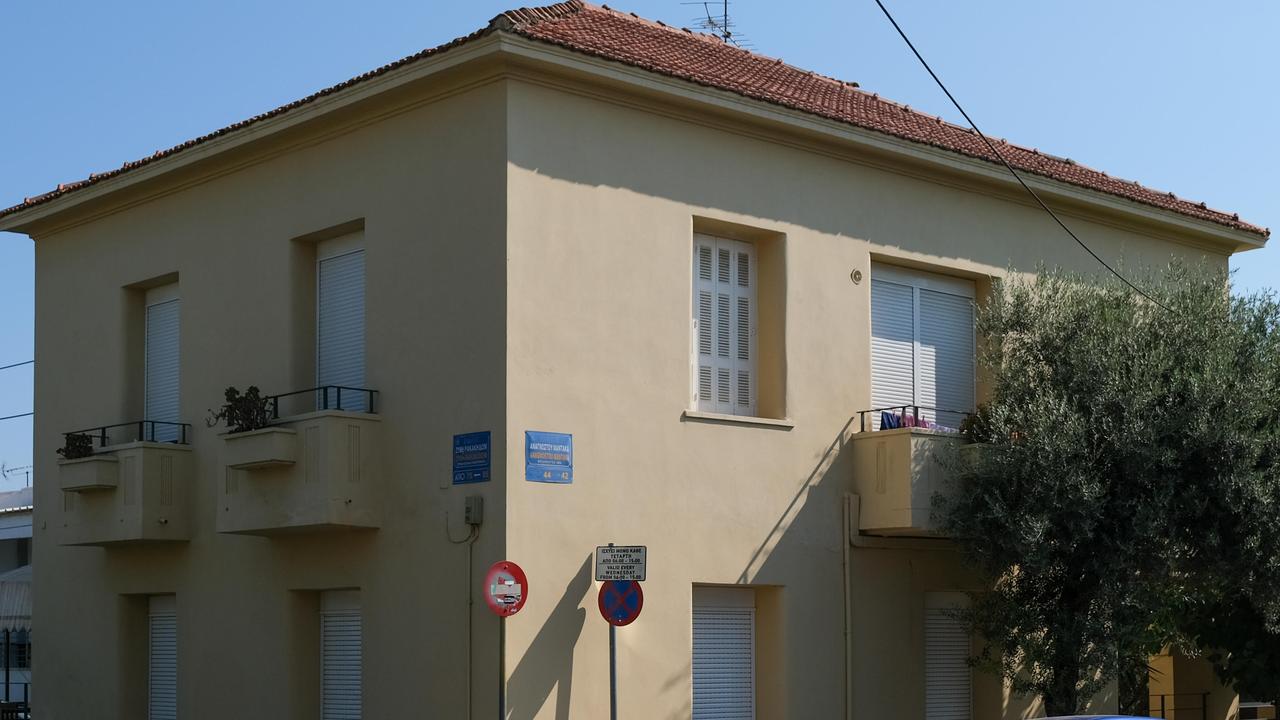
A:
(853, 538)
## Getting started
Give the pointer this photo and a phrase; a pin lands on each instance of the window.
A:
(341, 641)
(724, 325)
(162, 373)
(724, 653)
(162, 658)
(340, 319)
(922, 346)
(948, 682)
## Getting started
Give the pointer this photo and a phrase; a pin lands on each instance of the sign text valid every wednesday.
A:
(620, 562)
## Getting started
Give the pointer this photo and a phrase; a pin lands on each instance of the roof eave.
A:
(553, 56)
(1221, 236)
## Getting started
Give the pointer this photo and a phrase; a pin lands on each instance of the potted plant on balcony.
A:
(81, 468)
(251, 440)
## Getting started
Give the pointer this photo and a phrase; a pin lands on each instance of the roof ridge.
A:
(535, 14)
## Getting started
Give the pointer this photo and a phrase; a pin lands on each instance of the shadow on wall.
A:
(549, 660)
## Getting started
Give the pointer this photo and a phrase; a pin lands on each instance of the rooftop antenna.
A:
(716, 20)
(25, 470)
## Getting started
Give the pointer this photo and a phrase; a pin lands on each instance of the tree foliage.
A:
(1128, 493)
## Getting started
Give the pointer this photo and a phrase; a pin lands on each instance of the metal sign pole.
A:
(502, 668)
(613, 672)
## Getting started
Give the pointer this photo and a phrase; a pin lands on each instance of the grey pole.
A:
(613, 672)
(502, 668)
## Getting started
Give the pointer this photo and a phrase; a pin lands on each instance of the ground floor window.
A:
(948, 677)
(341, 652)
(724, 653)
(162, 658)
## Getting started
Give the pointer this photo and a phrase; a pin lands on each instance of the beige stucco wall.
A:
(528, 268)
(427, 183)
(603, 199)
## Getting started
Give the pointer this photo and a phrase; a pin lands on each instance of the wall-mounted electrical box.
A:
(473, 510)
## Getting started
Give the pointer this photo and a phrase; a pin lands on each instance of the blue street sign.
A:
(620, 601)
(472, 458)
(548, 457)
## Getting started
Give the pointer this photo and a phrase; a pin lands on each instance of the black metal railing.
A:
(331, 397)
(909, 411)
(1179, 706)
(145, 431)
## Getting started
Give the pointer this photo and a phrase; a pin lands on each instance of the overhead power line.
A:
(991, 146)
(25, 362)
(20, 415)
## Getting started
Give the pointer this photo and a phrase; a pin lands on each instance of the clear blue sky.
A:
(1179, 94)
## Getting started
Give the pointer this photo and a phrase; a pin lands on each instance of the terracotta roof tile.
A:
(709, 61)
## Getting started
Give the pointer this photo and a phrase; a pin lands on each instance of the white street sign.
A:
(620, 562)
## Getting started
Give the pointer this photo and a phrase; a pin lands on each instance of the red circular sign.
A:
(505, 588)
(621, 601)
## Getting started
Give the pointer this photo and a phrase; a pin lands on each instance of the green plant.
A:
(243, 412)
(76, 446)
(1128, 491)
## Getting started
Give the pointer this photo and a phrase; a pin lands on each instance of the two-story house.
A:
(700, 263)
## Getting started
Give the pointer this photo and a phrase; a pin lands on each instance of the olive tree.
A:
(1127, 489)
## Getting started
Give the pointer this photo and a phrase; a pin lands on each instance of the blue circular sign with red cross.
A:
(621, 601)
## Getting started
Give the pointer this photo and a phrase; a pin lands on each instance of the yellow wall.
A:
(528, 263)
(602, 203)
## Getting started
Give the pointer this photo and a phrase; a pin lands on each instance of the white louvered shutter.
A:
(724, 325)
(724, 663)
(948, 681)
(946, 355)
(163, 320)
(162, 667)
(893, 321)
(341, 641)
(340, 327)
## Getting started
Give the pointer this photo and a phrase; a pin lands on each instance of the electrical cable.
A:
(21, 415)
(25, 362)
(991, 146)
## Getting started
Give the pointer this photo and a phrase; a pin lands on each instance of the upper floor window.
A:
(340, 327)
(724, 325)
(162, 373)
(922, 344)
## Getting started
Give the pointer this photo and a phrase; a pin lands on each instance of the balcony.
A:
(314, 471)
(134, 487)
(898, 470)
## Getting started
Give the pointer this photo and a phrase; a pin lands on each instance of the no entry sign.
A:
(621, 601)
(505, 588)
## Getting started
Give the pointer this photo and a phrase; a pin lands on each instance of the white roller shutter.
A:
(162, 659)
(162, 386)
(948, 680)
(922, 343)
(724, 663)
(893, 322)
(341, 641)
(340, 325)
(946, 355)
(724, 325)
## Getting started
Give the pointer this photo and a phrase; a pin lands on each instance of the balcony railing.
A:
(1179, 706)
(328, 397)
(916, 416)
(143, 431)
